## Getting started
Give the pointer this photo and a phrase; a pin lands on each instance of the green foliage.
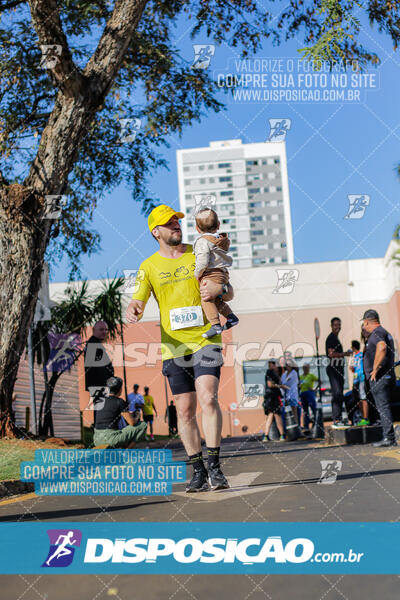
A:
(80, 309)
(107, 306)
(155, 84)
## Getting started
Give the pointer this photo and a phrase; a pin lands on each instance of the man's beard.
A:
(174, 241)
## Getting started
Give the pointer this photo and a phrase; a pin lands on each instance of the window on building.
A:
(187, 182)
(201, 168)
(210, 167)
(266, 190)
(186, 169)
(277, 161)
(222, 179)
(202, 180)
(226, 193)
(258, 218)
(188, 196)
(224, 165)
(251, 163)
(279, 188)
(211, 180)
(258, 247)
(254, 190)
(257, 232)
(255, 204)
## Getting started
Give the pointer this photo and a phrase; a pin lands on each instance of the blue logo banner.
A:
(354, 548)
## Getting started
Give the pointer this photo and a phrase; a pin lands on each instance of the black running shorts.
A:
(184, 370)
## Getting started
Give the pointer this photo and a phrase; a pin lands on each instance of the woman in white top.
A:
(291, 380)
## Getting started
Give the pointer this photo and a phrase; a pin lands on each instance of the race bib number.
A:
(186, 316)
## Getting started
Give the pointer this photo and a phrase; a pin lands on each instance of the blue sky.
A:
(333, 150)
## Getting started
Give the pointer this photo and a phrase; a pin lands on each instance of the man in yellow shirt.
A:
(191, 363)
(149, 408)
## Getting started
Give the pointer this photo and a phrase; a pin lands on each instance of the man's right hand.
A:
(135, 311)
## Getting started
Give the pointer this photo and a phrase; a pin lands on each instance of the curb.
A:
(15, 487)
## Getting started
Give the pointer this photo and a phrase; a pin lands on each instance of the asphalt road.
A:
(270, 482)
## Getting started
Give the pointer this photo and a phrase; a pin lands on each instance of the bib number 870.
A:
(185, 318)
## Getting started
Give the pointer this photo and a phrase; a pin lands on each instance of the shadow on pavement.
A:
(74, 512)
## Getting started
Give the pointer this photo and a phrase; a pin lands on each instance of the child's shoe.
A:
(231, 321)
(214, 330)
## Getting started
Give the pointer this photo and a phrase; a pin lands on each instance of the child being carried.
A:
(212, 262)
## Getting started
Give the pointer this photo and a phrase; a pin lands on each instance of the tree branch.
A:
(111, 49)
(8, 5)
(58, 58)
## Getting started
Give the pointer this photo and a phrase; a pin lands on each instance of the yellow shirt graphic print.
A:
(174, 286)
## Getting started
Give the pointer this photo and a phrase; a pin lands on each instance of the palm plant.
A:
(78, 310)
(396, 237)
(107, 306)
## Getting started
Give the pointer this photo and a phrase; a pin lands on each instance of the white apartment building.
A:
(249, 185)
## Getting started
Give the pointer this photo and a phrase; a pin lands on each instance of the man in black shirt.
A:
(107, 413)
(379, 371)
(335, 371)
(98, 365)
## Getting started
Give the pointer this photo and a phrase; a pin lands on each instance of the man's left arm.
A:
(380, 354)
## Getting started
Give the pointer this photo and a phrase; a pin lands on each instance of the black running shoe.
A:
(217, 479)
(198, 483)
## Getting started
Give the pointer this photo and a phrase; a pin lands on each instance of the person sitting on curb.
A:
(107, 413)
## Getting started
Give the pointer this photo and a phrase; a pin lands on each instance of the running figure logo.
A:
(251, 395)
(62, 547)
(202, 55)
(357, 206)
(278, 129)
(204, 201)
(330, 470)
(286, 281)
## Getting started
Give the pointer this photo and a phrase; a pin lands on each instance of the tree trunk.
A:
(22, 243)
(24, 233)
(45, 414)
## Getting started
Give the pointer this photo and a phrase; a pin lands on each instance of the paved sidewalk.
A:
(270, 482)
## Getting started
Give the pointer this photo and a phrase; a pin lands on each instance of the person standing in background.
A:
(358, 391)
(379, 371)
(136, 403)
(98, 365)
(307, 395)
(335, 371)
(272, 400)
(149, 408)
(290, 383)
(172, 417)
